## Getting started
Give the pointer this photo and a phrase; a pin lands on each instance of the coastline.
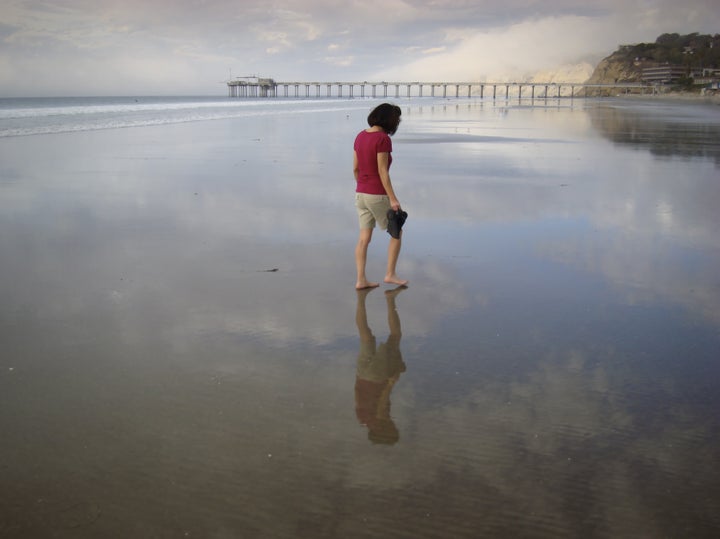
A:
(713, 99)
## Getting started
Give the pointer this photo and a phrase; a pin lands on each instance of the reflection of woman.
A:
(378, 368)
(374, 194)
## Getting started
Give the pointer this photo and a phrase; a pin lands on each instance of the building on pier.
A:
(252, 87)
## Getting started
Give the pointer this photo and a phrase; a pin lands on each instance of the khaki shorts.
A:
(372, 210)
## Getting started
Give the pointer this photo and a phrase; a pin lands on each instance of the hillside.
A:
(626, 63)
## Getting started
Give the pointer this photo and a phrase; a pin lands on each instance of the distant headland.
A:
(673, 63)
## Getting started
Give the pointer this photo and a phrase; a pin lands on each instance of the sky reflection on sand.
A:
(559, 333)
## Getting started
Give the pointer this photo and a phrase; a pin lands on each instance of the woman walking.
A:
(374, 194)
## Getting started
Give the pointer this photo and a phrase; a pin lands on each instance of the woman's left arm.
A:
(383, 161)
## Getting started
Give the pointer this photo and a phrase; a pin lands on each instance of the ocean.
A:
(34, 116)
(184, 352)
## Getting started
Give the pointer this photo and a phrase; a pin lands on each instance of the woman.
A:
(374, 194)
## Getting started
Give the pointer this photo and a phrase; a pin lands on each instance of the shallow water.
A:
(552, 370)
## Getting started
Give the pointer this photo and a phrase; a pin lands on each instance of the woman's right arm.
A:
(383, 161)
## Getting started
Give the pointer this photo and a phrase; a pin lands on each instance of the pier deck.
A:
(305, 89)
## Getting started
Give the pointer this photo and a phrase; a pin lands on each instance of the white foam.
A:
(45, 118)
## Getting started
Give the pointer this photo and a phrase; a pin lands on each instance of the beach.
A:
(183, 344)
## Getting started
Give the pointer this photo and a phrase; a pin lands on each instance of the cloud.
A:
(61, 47)
(434, 50)
(340, 61)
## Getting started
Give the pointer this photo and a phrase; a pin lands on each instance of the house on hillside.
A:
(664, 74)
(672, 74)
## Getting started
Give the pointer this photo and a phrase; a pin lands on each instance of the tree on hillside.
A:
(692, 50)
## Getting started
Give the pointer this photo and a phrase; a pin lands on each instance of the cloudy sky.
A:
(126, 47)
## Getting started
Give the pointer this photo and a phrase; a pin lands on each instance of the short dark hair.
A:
(386, 116)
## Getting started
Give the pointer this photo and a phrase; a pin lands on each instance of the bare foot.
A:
(394, 279)
(365, 284)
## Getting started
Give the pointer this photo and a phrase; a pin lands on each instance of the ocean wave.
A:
(68, 117)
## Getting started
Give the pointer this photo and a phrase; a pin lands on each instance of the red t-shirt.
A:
(367, 146)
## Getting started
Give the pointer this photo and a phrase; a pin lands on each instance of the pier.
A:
(252, 87)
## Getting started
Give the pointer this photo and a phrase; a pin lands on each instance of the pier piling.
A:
(253, 87)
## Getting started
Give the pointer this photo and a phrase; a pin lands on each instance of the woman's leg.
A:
(361, 259)
(393, 254)
(366, 334)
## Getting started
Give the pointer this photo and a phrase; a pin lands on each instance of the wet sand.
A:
(182, 354)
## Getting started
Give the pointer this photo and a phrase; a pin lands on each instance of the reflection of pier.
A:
(270, 88)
